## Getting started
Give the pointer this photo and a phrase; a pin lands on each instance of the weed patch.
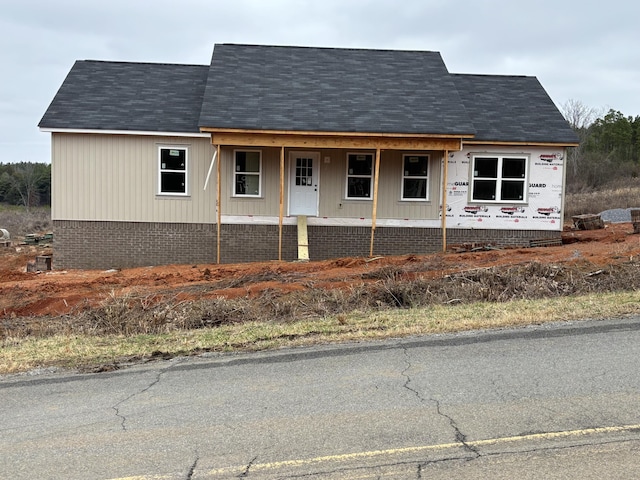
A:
(386, 289)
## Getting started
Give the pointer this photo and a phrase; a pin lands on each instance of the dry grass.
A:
(20, 222)
(623, 195)
(386, 288)
(389, 302)
(106, 352)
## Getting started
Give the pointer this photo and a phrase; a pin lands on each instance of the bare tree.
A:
(580, 117)
(25, 181)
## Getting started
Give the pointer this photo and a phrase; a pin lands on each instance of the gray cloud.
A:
(585, 51)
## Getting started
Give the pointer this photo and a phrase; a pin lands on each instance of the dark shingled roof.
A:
(307, 89)
(512, 109)
(129, 96)
(332, 90)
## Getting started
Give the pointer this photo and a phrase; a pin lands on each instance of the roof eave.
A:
(521, 143)
(125, 132)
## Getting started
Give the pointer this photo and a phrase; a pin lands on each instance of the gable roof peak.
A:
(332, 90)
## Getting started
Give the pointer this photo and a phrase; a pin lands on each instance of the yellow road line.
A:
(145, 477)
(418, 449)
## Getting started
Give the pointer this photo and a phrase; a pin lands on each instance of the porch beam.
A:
(218, 201)
(445, 175)
(336, 141)
(281, 213)
(374, 213)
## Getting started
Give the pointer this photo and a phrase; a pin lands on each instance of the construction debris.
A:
(5, 238)
(41, 264)
(587, 221)
(635, 219)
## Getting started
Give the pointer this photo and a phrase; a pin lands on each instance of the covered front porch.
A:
(289, 187)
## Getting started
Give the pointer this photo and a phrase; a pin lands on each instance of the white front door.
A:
(304, 169)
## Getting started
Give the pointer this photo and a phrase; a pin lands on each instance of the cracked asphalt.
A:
(560, 401)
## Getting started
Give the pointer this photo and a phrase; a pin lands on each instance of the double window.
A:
(499, 178)
(173, 171)
(359, 175)
(415, 178)
(247, 175)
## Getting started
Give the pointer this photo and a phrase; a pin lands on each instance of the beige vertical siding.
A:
(390, 205)
(333, 169)
(115, 177)
(269, 202)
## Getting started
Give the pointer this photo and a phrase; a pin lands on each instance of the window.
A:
(247, 173)
(501, 178)
(173, 171)
(359, 175)
(304, 171)
(414, 177)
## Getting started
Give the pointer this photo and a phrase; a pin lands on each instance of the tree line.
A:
(25, 183)
(609, 151)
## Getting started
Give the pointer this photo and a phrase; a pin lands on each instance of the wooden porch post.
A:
(375, 200)
(281, 214)
(445, 173)
(218, 201)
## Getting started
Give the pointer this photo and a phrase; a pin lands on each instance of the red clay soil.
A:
(57, 292)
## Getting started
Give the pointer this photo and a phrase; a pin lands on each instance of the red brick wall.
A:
(83, 244)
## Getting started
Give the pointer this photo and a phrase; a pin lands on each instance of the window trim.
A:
(347, 176)
(235, 194)
(403, 177)
(161, 170)
(499, 179)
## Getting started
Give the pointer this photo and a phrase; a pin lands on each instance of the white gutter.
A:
(126, 132)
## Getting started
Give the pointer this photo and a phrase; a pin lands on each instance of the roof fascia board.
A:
(125, 132)
(521, 144)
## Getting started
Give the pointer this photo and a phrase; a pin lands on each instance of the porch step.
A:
(303, 241)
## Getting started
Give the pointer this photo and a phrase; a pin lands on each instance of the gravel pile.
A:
(616, 215)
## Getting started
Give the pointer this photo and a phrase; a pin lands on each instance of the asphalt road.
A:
(559, 401)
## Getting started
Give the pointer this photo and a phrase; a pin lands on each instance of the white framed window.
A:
(359, 176)
(499, 178)
(247, 173)
(415, 177)
(173, 175)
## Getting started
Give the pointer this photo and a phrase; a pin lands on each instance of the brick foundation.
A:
(85, 244)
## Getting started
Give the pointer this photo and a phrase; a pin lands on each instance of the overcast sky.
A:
(581, 49)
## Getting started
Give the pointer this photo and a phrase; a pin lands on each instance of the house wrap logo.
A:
(512, 210)
(476, 209)
(553, 157)
(548, 211)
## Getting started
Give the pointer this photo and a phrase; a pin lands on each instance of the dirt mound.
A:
(58, 293)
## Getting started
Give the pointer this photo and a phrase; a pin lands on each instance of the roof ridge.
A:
(502, 75)
(127, 62)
